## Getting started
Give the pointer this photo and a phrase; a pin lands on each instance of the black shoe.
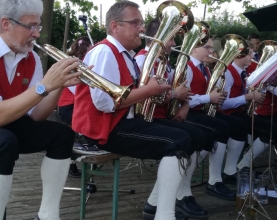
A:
(231, 179)
(149, 212)
(180, 216)
(74, 172)
(190, 208)
(221, 191)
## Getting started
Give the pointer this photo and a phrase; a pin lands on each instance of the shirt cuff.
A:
(205, 99)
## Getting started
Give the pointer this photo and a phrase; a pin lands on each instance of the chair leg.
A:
(83, 191)
(115, 188)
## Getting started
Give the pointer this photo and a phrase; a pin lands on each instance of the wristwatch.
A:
(41, 90)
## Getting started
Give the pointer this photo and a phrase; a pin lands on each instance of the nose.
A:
(36, 34)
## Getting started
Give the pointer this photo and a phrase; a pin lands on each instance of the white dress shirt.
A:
(11, 61)
(105, 64)
(235, 102)
(196, 99)
(140, 61)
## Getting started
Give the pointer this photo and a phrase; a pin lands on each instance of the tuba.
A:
(90, 78)
(174, 15)
(234, 46)
(196, 37)
(267, 48)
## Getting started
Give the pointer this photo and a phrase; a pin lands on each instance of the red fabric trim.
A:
(198, 84)
(236, 90)
(86, 118)
(23, 75)
(66, 98)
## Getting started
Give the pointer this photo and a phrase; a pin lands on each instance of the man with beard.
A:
(27, 99)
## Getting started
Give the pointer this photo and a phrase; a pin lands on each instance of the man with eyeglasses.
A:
(119, 131)
(26, 100)
(186, 204)
(228, 131)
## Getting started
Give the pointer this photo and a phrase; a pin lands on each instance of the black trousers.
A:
(27, 136)
(200, 139)
(147, 140)
(217, 127)
(261, 127)
(65, 113)
(221, 126)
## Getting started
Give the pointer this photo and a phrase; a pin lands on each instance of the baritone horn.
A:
(174, 15)
(118, 93)
(196, 37)
(267, 48)
(234, 46)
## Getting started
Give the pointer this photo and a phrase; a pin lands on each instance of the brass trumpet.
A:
(196, 37)
(118, 93)
(234, 46)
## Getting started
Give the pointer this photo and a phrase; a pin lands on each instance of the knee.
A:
(61, 148)
(8, 151)
(8, 142)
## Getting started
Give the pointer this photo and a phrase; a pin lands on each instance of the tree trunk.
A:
(45, 35)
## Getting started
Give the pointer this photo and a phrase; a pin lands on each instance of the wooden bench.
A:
(87, 174)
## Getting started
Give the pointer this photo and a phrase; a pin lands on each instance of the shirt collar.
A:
(6, 50)
(119, 46)
(194, 61)
(238, 68)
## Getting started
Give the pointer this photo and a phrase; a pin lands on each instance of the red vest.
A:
(265, 109)
(66, 98)
(236, 90)
(251, 68)
(199, 83)
(23, 76)
(160, 110)
(86, 119)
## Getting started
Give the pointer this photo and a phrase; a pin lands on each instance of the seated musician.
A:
(27, 99)
(118, 131)
(227, 131)
(185, 202)
(79, 48)
(255, 41)
(237, 97)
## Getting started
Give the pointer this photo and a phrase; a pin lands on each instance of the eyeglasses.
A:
(209, 48)
(32, 28)
(136, 22)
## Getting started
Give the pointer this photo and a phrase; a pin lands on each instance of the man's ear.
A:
(5, 24)
(113, 26)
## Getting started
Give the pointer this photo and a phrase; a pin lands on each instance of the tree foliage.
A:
(228, 23)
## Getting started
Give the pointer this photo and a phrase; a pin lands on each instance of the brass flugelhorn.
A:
(174, 15)
(234, 46)
(267, 48)
(118, 93)
(196, 37)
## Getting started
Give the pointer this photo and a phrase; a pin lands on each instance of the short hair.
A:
(152, 29)
(15, 9)
(79, 47)
(115, 12)
(253, 35)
